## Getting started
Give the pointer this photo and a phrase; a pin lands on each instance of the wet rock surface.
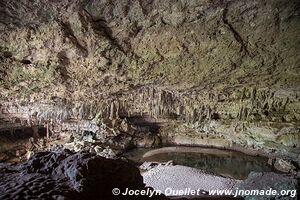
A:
(66, 175)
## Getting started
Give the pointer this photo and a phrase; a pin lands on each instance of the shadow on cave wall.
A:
(21, 133)
(145, 123)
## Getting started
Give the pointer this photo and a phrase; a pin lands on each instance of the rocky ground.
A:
(67, 175)
(106, 76)
(181, 177)
(163, 177)
(278, 182)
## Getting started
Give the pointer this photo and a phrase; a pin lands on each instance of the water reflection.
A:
(230, 164)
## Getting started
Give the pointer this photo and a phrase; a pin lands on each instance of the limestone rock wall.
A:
(248, 118)
(216, 73)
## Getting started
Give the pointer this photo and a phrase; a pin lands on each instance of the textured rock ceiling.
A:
(230, 69)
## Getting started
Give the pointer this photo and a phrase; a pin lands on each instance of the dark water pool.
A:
(226, 163)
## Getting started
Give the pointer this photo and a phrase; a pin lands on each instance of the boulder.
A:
(67, 175)
(284, 165)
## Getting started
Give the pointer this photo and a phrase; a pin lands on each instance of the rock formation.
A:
(64, 175)
(217, 73)
(82, 175)
(279, 183)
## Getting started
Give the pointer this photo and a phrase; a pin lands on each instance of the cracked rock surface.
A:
(219, 73)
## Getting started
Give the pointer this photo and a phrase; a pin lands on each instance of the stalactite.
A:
(111, 111)
(240, 113)
(117, 109)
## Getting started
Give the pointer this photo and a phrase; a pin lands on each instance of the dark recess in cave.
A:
(26, 62)
(144, 123)
(21, 133)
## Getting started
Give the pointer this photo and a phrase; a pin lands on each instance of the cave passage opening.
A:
(17, 141)
(145, 123)
(21, 133)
